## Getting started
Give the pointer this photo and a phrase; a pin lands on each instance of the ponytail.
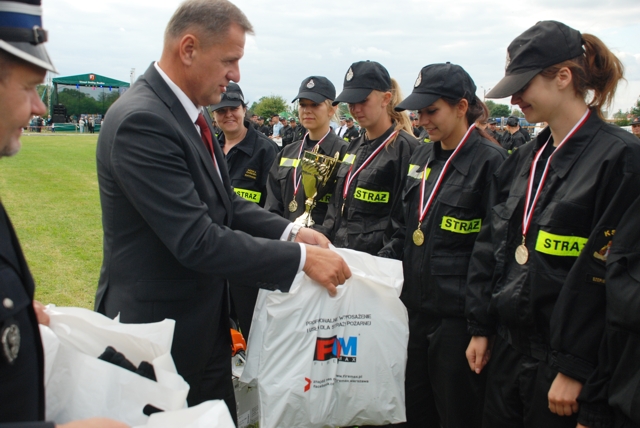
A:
(476, 112)
(400, 118)
(598, 70)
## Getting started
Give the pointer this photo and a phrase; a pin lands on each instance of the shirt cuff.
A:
(303, 250)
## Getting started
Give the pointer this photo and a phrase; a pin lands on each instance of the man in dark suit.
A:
(23, 65)
(174, 230)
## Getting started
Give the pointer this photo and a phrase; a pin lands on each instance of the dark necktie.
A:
(205, 134)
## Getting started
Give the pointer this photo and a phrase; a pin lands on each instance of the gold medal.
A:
(418, 237)
(522, 254)
(293, 206)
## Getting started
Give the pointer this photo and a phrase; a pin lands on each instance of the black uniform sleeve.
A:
(393, 239)
(483, 263)
(274, 192)
(269, 158)
(577, 322)
(616, 372)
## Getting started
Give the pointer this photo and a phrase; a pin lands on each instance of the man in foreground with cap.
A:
(174, 230)
(23, 65)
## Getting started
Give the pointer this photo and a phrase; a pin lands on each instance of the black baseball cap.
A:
(232, 97)
(21, 32)
(292, 119)
(361, 79)
(437, 81)
(545, 44)
(349, 119)
(636, 121)
(492, 122)
(317, 89)
(513, 121)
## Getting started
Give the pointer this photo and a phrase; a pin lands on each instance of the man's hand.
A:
(326, 268)
(563, 395)
(43, 317)
(312, 237)
(94, 423)
(581, 426)
(478, 353)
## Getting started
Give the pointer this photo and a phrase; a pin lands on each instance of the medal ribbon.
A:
(423, 208)
(350, 177)
(296, 181)
(529, 205)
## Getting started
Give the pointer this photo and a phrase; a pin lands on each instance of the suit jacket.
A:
(174, 230)
(21, 383)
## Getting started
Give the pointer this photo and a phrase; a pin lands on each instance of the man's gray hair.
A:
(210, 18)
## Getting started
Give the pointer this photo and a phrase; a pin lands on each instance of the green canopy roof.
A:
(90, 79)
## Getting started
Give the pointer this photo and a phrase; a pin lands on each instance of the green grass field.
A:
(50, 190)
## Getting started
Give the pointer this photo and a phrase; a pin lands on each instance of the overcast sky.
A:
(296, 39)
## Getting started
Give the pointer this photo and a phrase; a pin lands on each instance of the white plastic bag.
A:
(210, 414)
(324, 361)
(78, 385)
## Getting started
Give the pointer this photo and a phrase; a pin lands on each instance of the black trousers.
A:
(243, 302)
(440, 388)
(516, 393)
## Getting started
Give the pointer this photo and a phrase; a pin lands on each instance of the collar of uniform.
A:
(248, 143)
(192, 110)
(562, 162)
(462, 161)
(381, 138)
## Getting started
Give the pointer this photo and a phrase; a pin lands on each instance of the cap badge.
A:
(418, 80)
(310, 85)
(506, 65)
(349, 75)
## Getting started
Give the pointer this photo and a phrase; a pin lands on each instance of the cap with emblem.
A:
(513, 121)
(545, 44)
(635, 121)
(437, 81)
(21, 32)
(232, 97)
(292, 119)
(317, 89)
(492, 122)
(361, 79)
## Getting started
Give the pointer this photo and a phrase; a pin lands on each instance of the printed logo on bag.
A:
(341, 348)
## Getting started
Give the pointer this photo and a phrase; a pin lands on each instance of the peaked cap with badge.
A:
(21, 32)
(317, 89)
(361, 79)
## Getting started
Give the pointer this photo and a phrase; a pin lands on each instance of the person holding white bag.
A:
(23, 65)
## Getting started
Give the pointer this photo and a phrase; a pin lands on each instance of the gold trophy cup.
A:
(318, 176)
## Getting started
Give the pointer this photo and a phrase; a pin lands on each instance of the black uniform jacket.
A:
(249, 162)
(374, 197)
(175, 231)
(435, 273)
(511, 142)
(21, 383)
(555, 300)
(287, 134)
(351, 134)
(280, 184)
(616, 381)
(298, 132)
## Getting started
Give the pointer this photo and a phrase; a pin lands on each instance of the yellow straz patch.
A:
(349, 159)
(461, 226)
(558, 245)
(249, 195)
(413, 172)
(325, 199)
(287, 162)
(371, 196)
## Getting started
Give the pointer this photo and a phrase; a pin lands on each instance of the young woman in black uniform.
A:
(249, 155)
(286, 195)
(537, 271)
(445, 201)
(370, 179)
